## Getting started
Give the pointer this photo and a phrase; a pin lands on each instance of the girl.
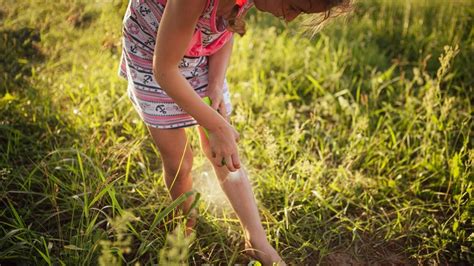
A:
(176, 52)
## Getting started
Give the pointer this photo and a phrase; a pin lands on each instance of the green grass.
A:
(358, 141)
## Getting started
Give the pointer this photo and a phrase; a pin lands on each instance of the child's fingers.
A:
(215, 104)
(216, 100)
(223, 110)
(230, 164)
(236, 160)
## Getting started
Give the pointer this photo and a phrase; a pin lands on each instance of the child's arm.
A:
(174, 35)
(218, 63)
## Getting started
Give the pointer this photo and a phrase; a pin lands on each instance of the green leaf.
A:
(8, 97)
(73, 247)
(455, 226)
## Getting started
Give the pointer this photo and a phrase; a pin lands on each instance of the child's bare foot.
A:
(263, 252)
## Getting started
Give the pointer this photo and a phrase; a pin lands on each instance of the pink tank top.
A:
(210, 33)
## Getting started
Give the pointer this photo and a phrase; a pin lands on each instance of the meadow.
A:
(357, 140)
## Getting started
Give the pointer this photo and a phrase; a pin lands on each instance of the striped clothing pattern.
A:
(140, 26)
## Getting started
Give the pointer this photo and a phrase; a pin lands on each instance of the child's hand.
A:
(223, 144)
(217, 100)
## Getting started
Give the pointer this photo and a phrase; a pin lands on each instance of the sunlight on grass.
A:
(358, 141)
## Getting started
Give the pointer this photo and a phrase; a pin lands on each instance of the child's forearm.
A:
(218, 63)
(178, 88)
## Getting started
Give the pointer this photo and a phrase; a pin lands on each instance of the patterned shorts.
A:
(154, 106)
(152, 103)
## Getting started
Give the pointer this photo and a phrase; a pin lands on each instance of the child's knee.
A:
(211, 158)
(179, 166)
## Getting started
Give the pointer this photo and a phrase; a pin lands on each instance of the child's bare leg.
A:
(177, 164)
(239, 192)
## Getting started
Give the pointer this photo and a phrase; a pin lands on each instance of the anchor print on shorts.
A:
(161, 109)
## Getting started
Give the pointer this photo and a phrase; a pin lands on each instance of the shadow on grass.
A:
(319, 234)
(18, 53)
(29, 123)
(30, 128)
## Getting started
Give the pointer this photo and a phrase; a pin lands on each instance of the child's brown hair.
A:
(314, 23)
(336, 8)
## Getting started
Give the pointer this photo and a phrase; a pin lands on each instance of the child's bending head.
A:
(290, 9)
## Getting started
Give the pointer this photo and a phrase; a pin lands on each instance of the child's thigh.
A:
(171, 144)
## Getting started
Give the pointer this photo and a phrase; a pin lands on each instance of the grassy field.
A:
(358, 141)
